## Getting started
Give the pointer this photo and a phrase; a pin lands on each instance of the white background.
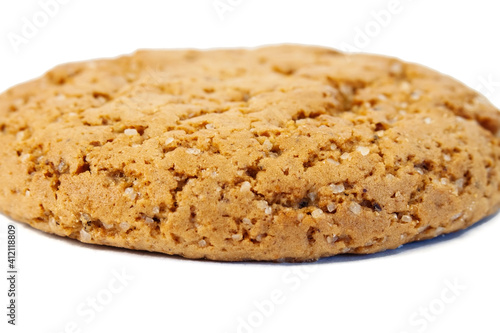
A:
(377, 293)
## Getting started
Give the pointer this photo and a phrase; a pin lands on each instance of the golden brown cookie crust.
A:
(277, 153)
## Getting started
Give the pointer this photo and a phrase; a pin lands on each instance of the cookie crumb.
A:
(85, 236)
(237, 237)
(416, 95)
(396, 68)
(20, 135)
(355, 208)
(25, 157)
(338, 188)
(124, 225)
(107, 226)
(262, 204)
(405, 86)
(61, 167)
(406, 218)
(345, 250)
(129, 191)
(52, 222)
(439, 231)
(85, 218)
(267, 145)
(331, 239)
(245, 187)
(312, 196)
(345, 156)
(317, 213)
(193, 151)
(363, 150)
(131, 132)
(332, 161)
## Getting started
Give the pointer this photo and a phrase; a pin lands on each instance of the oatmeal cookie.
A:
(277, 153)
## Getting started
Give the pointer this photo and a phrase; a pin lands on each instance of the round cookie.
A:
(278, 153)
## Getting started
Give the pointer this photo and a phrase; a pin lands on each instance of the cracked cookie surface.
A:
(277, 153)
